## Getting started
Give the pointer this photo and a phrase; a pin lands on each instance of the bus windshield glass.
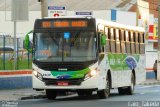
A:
(77, 46)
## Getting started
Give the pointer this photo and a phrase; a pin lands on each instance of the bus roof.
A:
(118, 25)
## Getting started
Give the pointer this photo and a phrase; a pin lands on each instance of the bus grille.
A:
(55, 81)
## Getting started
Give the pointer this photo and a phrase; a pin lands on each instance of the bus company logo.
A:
(65, 76)
(131, 62)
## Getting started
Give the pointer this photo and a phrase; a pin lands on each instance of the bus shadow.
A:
(82, 98)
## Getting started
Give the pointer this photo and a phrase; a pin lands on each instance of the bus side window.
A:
(137, 42)
(122, 38)
(142, 47)
(108, 39)
(112, 40)
(117, 35)
(132, 36)
(127, 40)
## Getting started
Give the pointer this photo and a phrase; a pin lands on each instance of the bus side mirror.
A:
(103, 39)
(28, 42)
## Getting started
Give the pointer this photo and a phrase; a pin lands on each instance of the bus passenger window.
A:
(122, 35)
(122, 38)
(106, 32)
(112, 40)
(112, 33)
(107, 41)
(118, 47)
(132, 36)
(128, 50)
(142, 46)
(126, 36)
(143, 37)
(137, 42)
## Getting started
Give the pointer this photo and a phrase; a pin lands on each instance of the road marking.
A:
(148, 86)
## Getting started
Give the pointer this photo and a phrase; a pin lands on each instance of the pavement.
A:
(20, 94)
(151, 82)
(29, 93)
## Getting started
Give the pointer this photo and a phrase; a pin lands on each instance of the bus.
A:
(85, 54)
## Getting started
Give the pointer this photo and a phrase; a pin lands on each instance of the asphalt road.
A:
(148, 96)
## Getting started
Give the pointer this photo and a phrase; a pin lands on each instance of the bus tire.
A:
(105, 92)
(127, 90)
(130, 89)
(88, 93)
(51, 94)
(80, 93)
(122, 91)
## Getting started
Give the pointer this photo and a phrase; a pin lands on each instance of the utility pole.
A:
(158, 62)
(44, 8)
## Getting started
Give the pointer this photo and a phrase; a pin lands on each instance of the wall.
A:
(106, 15)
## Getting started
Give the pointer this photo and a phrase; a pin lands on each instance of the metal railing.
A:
(23, 58)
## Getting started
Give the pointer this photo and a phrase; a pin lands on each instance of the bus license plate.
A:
(62, 84)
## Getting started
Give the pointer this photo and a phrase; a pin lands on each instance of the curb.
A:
(42, 96)
(33, 97)
(151, 83)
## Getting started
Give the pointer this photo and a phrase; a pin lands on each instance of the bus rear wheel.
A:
(127, 90)
(130, 89)
(105, 92)
(51, 94)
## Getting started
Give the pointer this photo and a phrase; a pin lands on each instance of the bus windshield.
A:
(74, 46)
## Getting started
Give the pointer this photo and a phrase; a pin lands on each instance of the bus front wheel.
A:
(105, 92)
(51, 94)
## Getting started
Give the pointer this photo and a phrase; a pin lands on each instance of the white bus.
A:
(85, 55)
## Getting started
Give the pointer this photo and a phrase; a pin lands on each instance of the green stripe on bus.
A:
(72, 74)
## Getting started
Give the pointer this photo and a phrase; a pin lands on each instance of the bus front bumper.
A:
(91, 83)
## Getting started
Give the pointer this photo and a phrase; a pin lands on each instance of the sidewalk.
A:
(20, 94)
(29, 93)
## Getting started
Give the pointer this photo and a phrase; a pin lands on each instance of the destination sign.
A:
(58, 24)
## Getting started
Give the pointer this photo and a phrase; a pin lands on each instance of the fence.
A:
(23, 58)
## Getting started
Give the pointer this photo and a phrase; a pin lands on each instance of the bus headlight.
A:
(90, 74)
(38, 75)
(93, 73)
(35, 73)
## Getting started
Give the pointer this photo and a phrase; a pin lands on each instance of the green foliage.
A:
(21, 64)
